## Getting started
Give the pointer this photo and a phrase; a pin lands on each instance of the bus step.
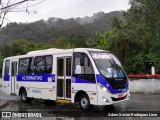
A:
(63, 101)
(13, 94)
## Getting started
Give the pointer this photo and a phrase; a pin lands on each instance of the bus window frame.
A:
(83, 76)
(31, 65)
(125, 75)
(6, 66)
(41, 65)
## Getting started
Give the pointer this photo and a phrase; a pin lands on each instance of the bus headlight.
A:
(104, 88)
(105, 99)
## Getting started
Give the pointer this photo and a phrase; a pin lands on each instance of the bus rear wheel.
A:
(24, 97)
(84, 103)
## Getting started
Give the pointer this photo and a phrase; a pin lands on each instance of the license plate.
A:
(120, 95)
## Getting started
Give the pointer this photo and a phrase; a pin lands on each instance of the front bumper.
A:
(105, 98)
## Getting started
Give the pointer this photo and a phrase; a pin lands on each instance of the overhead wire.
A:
(21, 2)
(32, 4)
(11, 6)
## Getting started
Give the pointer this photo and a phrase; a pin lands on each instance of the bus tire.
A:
(24, 97)
(84, 103)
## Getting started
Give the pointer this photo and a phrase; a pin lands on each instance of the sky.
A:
(66, 9)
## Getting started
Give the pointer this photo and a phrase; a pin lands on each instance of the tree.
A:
(1, 61)
(136, 40)
(1, 64)
(12, 48)
(144, 15)
(117, 39)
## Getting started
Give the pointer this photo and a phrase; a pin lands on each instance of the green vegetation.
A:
(55, 28)
(134, 36)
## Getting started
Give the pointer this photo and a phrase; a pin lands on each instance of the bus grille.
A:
(117, 83)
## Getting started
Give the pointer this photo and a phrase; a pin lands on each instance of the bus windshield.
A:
(108, 65)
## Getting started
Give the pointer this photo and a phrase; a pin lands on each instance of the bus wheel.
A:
(24, 97)
(84, 103)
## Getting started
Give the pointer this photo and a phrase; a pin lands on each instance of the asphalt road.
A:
(137, 103)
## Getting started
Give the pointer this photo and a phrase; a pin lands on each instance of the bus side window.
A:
(82, 67)
(43, 64)
(25, 66)
(87, 66)
(78, 67)
(6, 67)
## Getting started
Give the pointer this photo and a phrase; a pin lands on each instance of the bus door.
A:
(13, 75)
(64, 77)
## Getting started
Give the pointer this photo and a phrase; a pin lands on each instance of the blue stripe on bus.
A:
(36, 77)
(6, 77)
(79, 80)
(101, 80)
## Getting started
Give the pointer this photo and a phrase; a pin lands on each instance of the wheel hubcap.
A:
(84, 102)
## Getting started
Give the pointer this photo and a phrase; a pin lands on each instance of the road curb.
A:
(3, 104)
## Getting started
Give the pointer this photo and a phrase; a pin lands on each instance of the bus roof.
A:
(53, 51)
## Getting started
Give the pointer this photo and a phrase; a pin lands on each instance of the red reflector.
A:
(120, 95)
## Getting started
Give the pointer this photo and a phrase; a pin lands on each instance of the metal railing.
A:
(143, 76)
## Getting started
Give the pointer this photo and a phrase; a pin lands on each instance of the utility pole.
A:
(10, 6)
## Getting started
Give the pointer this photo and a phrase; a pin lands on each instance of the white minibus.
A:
(84, 75)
